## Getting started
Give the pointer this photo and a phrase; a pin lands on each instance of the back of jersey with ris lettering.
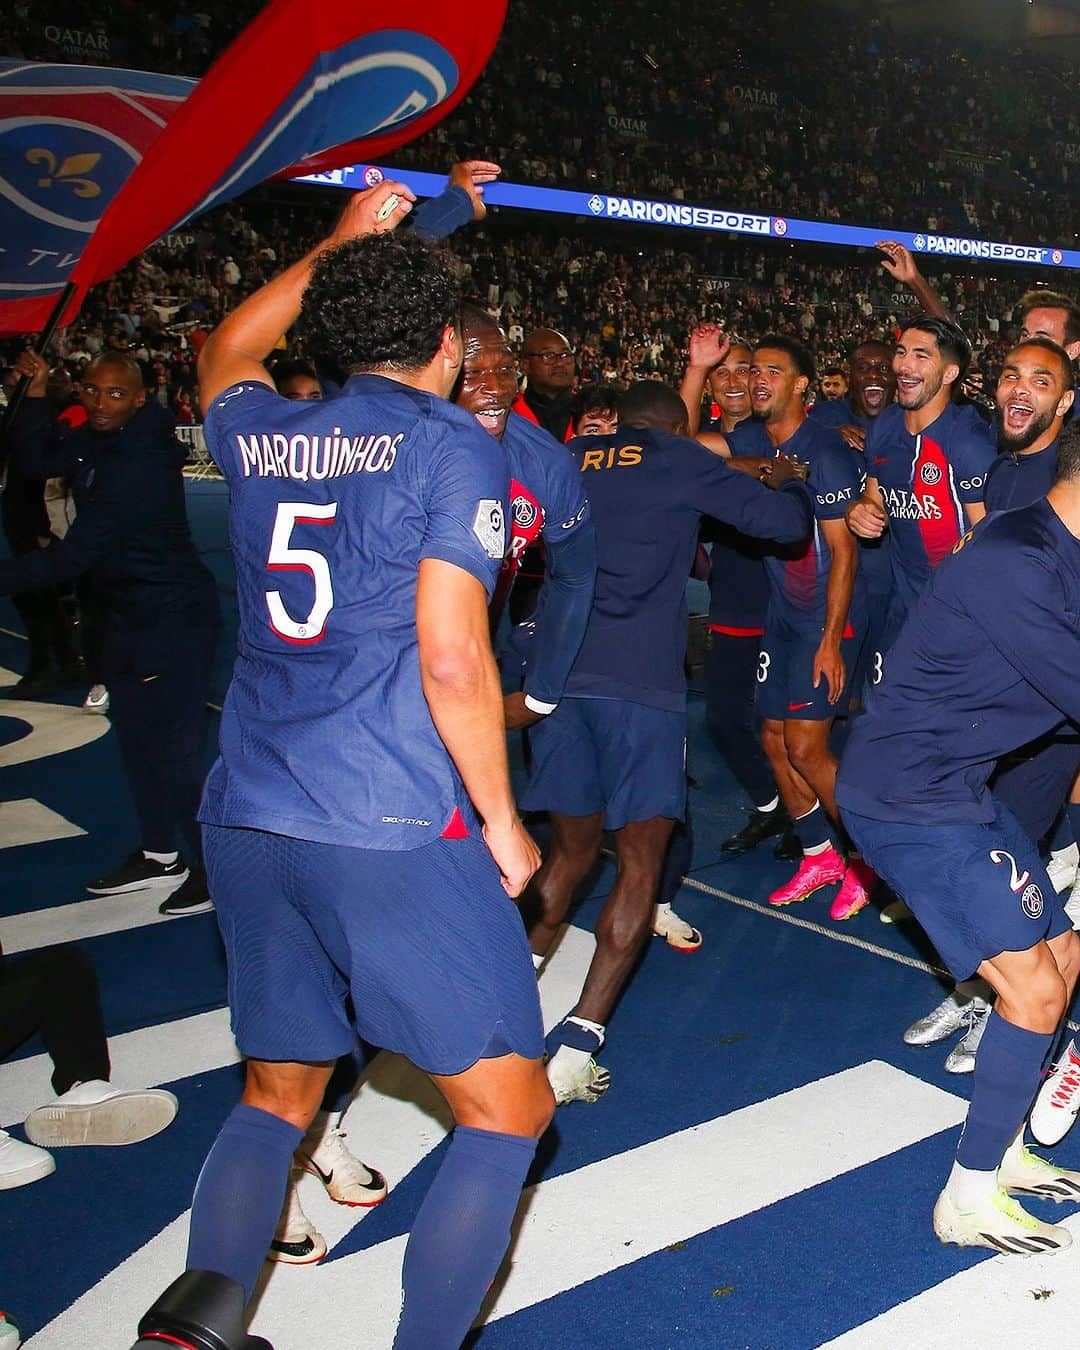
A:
(647, 492)
(326, 734)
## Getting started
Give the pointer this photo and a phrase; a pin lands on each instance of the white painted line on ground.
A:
(83, 919)
(579, 1226)
(848, 939)
(396, 1119)
(1007, 1301)
(10, 632)
(28, 821)
(54, 727)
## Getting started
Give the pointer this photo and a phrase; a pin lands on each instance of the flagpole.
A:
(52, 323)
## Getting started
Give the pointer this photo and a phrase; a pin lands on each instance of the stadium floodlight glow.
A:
(686, 215)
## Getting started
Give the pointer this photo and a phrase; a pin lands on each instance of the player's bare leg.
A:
(574, 848)
(805, 771)
(621, 931)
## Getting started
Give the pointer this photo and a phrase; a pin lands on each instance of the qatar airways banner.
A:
(686, 215)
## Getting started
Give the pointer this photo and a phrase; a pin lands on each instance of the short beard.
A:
(1016, 444)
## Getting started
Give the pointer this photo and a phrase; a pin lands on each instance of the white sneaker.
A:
(20, 1164)
(1062, 868)
(98, 1113)
(961, 1058)
(577, 1082)
(1058, 1100)
(679, 934)
(999, 1223)
(940, 1022)
(346, 1178)
(97, 700)
(895, 912)
(297, 1242)
(1026, 1173)
(9, 1334)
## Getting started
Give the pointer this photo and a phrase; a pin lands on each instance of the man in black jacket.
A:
(161, 606)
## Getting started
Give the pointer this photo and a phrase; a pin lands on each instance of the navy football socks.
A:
(460, 1237)
(1007, 1072)
(239, 1195)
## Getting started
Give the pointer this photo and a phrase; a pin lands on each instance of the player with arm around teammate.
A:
(612, 754)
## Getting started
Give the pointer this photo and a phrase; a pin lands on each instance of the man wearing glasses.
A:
(547, 362)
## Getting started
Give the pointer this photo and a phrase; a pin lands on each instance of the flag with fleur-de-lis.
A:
(96, 164)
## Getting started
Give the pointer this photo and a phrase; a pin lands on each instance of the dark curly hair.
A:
(382, 300)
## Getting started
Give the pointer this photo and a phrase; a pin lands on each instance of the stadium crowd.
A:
(886, 128)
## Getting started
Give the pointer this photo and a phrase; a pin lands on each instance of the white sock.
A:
(166, 859)
(538, 960)
(769, 806)
(597, 1028)
(969, 1189)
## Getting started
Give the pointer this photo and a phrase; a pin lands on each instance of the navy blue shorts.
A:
(977, 890)
(785, 673)
(605, 754)
(425, 940)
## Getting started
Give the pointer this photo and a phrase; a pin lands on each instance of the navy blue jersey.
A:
(835, 412)
(548, 503)
(326, 734)
(799, 574)
(926, 480)
(738, 584)
(648, 491)
(987, 662)
(1018, 480)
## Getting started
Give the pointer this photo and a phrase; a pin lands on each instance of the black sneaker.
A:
(788, 848)
(40, 684)
(190, 898)
(760, 826)
(139, 873)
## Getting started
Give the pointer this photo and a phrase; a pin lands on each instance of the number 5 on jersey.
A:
(282, 558)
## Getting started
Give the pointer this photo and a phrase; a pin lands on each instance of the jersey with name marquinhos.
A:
(325, 733)
(799, 573)
(926, 480)
(647, 492)
(546, 497)
(987, 662)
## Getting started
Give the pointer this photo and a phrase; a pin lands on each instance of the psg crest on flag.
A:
(95, 164)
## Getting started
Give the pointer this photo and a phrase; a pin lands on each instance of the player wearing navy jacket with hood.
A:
(161, 606)
(986, 663)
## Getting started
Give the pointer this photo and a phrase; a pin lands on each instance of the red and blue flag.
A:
(97, 164)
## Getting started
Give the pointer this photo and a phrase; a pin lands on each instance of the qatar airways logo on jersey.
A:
(903, 504)
(678, 213)
(300, 457)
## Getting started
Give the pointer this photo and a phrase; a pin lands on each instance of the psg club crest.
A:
(1031, 902)
(70, 137)
(930, 475)
(524, 513)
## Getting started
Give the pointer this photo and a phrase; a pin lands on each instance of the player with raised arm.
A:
(815, 625)
(360, 832)
(987, 662)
